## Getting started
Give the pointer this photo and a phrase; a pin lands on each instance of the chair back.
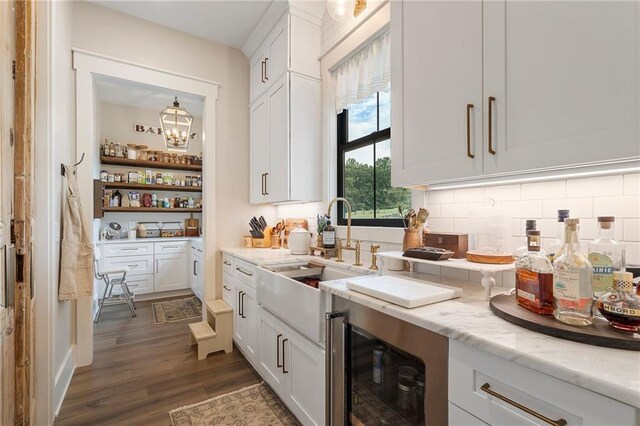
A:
(97, 254)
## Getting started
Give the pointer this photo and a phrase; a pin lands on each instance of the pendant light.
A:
(176, 127)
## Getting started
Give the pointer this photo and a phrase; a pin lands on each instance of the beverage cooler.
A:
(382, 370)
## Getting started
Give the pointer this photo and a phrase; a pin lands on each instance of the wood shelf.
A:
(145, 187)
(115, 161)
(149, 210)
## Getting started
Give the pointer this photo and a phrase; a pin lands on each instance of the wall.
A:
(54, 144)
(111, 33)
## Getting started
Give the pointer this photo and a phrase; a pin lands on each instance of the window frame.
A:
(344, 146)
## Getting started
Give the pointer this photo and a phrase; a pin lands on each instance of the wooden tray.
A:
(600, 333)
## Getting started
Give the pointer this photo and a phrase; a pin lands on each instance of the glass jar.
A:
(143, 155)
(619, 305)
(183, 159)
(119, 151)
(174, 158)
(189, 159)
(112, 149)
(607, 256)
(104, 176)
(166, 157)
(407, 401)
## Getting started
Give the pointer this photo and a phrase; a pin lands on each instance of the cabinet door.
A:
(170, 272)
(271, 335)
(436, 71)
(137, 265)
(304, 364)
(250, 311)
(260, 150)
(257, 82)
(228, 290)
(277, 180)
(277, 56)
(565, 77)
(239, 325)
(196, 276)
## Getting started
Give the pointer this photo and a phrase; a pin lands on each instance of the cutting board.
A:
(402, 291)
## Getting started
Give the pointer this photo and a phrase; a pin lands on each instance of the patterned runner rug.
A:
(255, 405)
(177, 310)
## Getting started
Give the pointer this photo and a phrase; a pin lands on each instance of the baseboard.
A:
(63, 379)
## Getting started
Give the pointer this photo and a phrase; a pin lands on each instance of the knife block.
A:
(263, 242)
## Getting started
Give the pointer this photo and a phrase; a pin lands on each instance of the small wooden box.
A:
(457, 243)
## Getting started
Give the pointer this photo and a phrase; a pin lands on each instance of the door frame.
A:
(87, 65)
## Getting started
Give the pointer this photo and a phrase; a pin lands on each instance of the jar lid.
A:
(406, 385)
(606, 219)
(533, 232)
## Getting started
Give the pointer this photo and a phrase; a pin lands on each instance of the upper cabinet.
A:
(285, 145)
(499, 88)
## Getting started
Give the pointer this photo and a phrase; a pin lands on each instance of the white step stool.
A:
(215, 334)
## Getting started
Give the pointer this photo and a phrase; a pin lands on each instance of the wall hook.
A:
(62, 164)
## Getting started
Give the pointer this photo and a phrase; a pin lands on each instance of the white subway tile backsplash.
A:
(435, 210)
(631, 230)
(595, 187)
(544, 190)
(633, 253)
(469, 195)
(455, 210)
(461, 225)
(632, 184)
(503, 192)
(620, 207)
(524, 209)
(547, 227)
(578, 207)
(440, 197)
(441, 225)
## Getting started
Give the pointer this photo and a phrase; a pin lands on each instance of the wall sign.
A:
(155, 130)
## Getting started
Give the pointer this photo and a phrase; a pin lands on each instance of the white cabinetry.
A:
(285, 114)
(552, 84)
(228, 290)
(490, 388)
(197, 285)
(293, 367)
(246, 321)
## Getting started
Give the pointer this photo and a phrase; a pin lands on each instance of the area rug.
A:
(255, 405)
(177, 310)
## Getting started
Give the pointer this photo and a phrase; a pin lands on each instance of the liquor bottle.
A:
(620, 306)
(606, 255)
(555, 248)
(530, 225)
(572, 276)
(534, 278)
(329, 236)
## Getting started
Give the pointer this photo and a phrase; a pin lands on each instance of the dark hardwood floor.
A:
(142, 370)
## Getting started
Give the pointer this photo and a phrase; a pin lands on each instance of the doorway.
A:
(101, 83)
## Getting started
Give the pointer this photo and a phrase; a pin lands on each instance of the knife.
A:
(263, 222)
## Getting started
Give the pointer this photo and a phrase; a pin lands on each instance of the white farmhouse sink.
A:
(280, 290)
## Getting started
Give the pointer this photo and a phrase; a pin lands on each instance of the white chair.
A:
(112, 277)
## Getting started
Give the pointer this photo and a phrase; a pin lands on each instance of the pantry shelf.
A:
(115, 161)
(149, 210)
(145, 187)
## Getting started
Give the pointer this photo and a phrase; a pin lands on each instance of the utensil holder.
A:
(263, 242)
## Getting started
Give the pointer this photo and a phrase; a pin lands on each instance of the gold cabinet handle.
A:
(492, 99)
(263, 66)
(487, 388)
(469, 108)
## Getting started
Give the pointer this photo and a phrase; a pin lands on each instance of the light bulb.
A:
(339, 9)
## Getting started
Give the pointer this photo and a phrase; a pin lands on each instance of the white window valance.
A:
(363, 74)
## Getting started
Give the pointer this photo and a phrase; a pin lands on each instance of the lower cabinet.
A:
(245, 324)
(171, 272)
(486, 388)
(294, 367)
(196, 268)
(228, 290)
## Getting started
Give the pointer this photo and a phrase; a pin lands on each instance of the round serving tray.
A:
(600, 333)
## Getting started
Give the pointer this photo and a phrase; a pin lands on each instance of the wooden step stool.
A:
(215, 334)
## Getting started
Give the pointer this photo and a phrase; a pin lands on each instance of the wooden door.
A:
(171, 272)
(271, 335)
(260, 150)
(277, 181)
(566, 81)
(7, 338)
(304, 364)
(436, 71)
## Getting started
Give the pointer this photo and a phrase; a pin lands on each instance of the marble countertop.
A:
(148, 240)
(611, 372)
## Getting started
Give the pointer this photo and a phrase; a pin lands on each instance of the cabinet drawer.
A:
(140, 284)
(245, 272)
(459, 417)
(491, 388)
(227, 263)
(170, 247)
(228, 290)
(138, 265)
(127, 249)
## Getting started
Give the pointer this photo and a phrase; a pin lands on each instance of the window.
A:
(364, 164)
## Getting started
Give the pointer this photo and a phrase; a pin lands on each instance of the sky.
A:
(362, 121)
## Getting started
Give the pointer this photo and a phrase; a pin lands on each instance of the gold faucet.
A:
(348, 245)
(358, 262)
(374, 258)
(339, 250)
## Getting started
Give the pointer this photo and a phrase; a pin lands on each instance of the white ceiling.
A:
(143, 96)
(228, 22)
